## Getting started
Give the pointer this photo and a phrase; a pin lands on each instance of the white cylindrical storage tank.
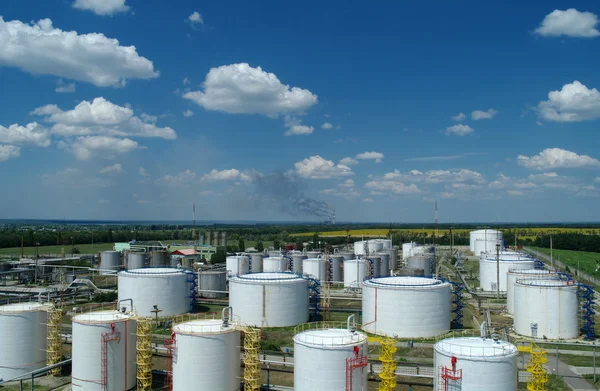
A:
(297, 260)
(546, 308)
(488, 268)
(483, 364)
(23, 327)
(347, 255)
(215, 281)
(109, 331)
(386, 244)
(110, 261)
(160, 258)
(314, 254)
(136, 260)
(269, 299)
(485, 240)
(410, 272)
(314, 267)
(355, 272)
(374, 266)
(169, 289)
(360, 248)
(529, 274)
(335, 268)
(406, 307)
(385, 264)
(406, 249)
(374, 246)
(208, 356)
(393, 256)
(320, 360)
(237, 265)
(275, 264)
(256, 261)
(425, 262)
(275, 253)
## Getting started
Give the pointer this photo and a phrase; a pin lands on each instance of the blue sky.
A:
(129, 109)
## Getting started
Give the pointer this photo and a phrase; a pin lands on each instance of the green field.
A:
(585, 261)
(56, 250)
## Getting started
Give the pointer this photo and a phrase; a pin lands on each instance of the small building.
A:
(188, 255)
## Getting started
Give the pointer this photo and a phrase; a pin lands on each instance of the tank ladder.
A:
(193, 281)
(170, 345)
(388, 362)
(450, 378)
(457, 304)
(314, 291)
(588, 312)
(251, 359)
(371, 271)
(537, 264)
(352, 363)
(535, 366)
(114, 335)
(143, 349)
(54, 339)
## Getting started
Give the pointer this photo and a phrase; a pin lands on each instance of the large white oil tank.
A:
(314, 254)
(546, 308)
(385, 264)
(23, 327)
(393, 255)
(481, 364)
(136, 260)
(106, 331)
(320, 357)
(371, 246)
(406, 249)
(374, 266)
(256, 261)
(168, 289)
(297, 261)
(269, 299)
(335, 268)
(347, 255)
(212, 284)
(488, 268)
(426, 262)
(485, 240)
(275, 264)
(314, 267)
(160, 258)
(208, 356)
(386, 244)
(355, 272)
(529, 274)
(110, 261)
(237, 265)
(406, 307)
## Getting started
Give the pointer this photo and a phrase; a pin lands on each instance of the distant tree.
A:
(260, 247)
(218, 257)
(110, 235)
(299, 245)
(75, 250)
(316, 240)
(276, 244)
(241, 244)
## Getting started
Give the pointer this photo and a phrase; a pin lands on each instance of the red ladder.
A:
(170, 346)
(358, 361)
(114, 335)
(452, 375)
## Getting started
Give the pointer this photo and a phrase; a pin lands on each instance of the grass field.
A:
(585, 261)
(44, 250)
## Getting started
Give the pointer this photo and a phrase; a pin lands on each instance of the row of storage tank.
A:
(104, 354)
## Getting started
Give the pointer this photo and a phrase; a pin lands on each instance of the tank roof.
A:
(404, 282)
(101, 317)
(550, 283)
(482, 231)
(531, 271)
(476, 347)
(151, 272)
(23, 307)
(266, 277)
(329, 337)
(210, 326)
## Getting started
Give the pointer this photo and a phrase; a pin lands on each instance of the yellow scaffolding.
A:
(388, 362)
(535, 366)
(251, 359)
(144, 353)
(54, 339)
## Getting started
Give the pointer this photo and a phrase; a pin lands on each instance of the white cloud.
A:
(30, 134)
(241, 89)
(459, 130)
(436, 176)
(41, 49)
(101, 117)
(102, 7)
(195, 18)
(296, 130)
(345, 190)
(87, 147)
(183, 179)
(573, 103)
(74, 178)
(478, 114)
(459, 117)
(62, 87)
(597, 179)
(188, 113)
(102, 201)
(9, 152)
(368, 200)
(377, 156)
(142, 172)
(186, 81)
(114, 169)
(348, 161)
(391, 186)
(226, 175)
(315, 167)
(552, 158)
(570, 23)
(326, 125)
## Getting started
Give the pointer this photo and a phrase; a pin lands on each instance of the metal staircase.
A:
(588, 312)
(457, 304)
(352, 363)
(314, 291)
(113, 335)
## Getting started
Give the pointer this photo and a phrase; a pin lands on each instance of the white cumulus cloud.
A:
(296, 130)
(552, 158)
(9, 152)
(226, 175)
(242, 89)
(459, 130)
(570, 23)
(459, 117)
(188, 113)
(383, 186)
(195, 18)
(377, 156)
(64, 88)
(326, 125)
(142, 172)
(573, 103)
(114, 169)
(102, 7)
(30, 134)
(42, 49)
(315, 167)
(87, 147)
(479, 114)
(348, 161)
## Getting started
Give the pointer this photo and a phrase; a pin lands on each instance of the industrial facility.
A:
(294, 320)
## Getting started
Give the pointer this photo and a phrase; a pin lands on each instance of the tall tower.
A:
(436, 223)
